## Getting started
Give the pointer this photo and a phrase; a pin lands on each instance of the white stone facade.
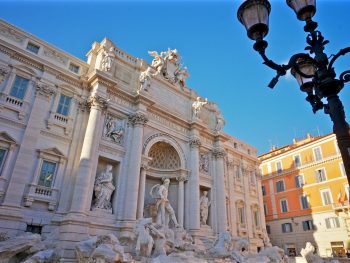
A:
(75, 132)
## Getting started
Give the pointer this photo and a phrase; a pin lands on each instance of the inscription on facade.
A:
(167, 123)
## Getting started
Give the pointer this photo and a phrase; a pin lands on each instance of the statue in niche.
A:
(197, 106)
(163, 206)
(204, 163)
(107, 58)
(114, 130)
(145, 80)
(103, 189)
(204, 208)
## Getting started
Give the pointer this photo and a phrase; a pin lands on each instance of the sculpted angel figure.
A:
(158, 60)
(163, 206)
(197, 105)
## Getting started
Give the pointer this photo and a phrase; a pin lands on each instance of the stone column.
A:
(181, 200)
(27, 155)
(220, 192)
(142, 186)
(137, 120)
(193, 184)
(85, 176)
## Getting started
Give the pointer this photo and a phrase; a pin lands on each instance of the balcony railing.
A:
(341, 206)
(43, 194)
(14, 101)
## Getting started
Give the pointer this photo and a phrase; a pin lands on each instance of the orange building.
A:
(306, 196)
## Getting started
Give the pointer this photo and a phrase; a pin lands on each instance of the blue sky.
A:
(221, 61)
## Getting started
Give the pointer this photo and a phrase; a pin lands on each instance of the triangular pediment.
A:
(53, 151)
(5, 137)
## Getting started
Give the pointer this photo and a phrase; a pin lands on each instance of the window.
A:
(318, 154)
(287, 228)
(297, 161)
(299, 180)
(33, 48)
(279, 167)
(47, 173)
(263, 190)
(19, 87)
(280, 186)
(35, 229)
(74, 68)
(241, 216)
(63, 105)
(2, 158)
(342, 169)
(308, 225)
(347, 192)
(320, 175)
(284, 205)
(326, 196)
(268, 229)
(265, 210)
(332, 222)
(304, 201)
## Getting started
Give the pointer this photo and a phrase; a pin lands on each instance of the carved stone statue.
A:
(197, 106)
(222, 246)
(167, 65)
(145, 242)
(308, 253)
(103, 190)
(145, 80)
(181, 76)
(220, 123)
(204, 163)
(114, 130)
(163, 206)
(107, 59)
(204, 207)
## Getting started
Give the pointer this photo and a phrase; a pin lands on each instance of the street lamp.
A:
(315, 74)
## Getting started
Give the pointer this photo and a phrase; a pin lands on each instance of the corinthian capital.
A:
(98, 101)
(137, 119)
(195, 143)
(219, 153)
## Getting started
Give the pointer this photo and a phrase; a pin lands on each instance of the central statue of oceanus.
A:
(164, 209)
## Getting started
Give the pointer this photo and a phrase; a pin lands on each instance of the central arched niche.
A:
(165, 163)
(164, 157)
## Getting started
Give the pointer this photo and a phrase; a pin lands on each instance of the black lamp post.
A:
(315, 75)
